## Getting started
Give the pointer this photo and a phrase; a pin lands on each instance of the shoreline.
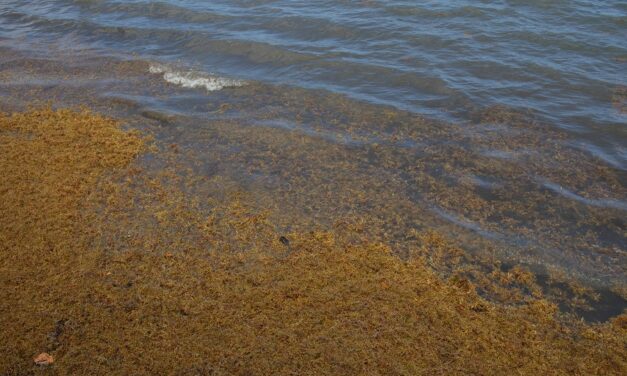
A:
(118, 259)
(502, 185)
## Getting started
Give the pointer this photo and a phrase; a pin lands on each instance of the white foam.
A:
(193, 79)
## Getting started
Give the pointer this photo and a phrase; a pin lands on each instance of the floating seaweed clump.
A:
(112, 265)
(619, 99)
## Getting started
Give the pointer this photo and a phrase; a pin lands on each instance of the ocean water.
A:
(563, 60)
(506, 120)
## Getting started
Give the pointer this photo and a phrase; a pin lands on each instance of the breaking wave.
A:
(194, 79)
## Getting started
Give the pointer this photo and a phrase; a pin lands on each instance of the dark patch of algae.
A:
(619, 99)
(109, 264)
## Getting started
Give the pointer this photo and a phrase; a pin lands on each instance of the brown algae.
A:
(115, 268)
(504, 187)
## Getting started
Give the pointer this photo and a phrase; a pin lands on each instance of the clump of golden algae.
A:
(133, 276)
(50, 161)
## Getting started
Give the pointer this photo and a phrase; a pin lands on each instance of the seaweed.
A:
(114, 261)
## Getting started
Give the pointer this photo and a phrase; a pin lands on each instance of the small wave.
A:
(602, 203)
(194, 79)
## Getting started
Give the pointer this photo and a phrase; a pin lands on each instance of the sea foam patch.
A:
(194, 79)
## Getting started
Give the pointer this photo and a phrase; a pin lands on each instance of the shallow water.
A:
(563, 60)
(499, 123)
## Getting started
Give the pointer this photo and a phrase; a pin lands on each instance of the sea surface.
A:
(502, 122)
(563, 60)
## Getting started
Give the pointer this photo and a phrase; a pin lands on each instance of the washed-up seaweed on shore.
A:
(111, 263)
